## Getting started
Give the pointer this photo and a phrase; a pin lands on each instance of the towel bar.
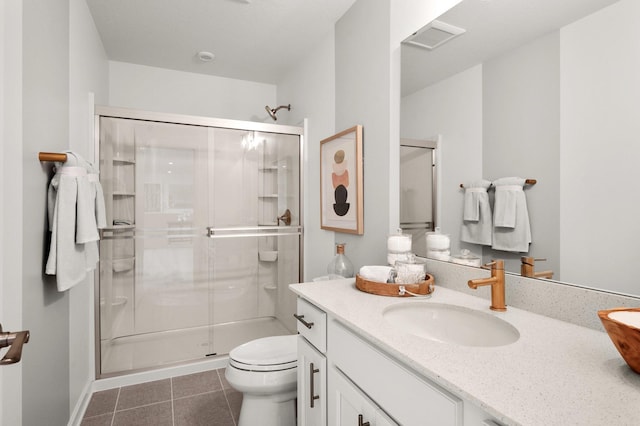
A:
(526, 182)
(52, 156)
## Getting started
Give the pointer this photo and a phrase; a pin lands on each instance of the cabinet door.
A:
(312, 385)
(348, 406)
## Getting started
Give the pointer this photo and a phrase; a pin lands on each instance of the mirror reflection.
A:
(549, 94)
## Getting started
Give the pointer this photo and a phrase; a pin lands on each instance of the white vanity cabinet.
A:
(405, 397)
(343, 379)
(349, 406)
(312, 365)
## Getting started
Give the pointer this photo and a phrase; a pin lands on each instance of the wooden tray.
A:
(385, 289)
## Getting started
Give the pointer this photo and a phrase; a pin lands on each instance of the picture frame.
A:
(341, 182)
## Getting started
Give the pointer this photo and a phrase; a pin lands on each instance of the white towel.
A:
(511, 227)
(476, 218)
(76, 210)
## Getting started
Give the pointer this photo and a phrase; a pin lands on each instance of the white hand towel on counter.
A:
(375, 273)
(476, 219)
(511, 227)
(76, 210)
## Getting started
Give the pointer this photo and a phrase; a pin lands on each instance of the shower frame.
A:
(220, 123)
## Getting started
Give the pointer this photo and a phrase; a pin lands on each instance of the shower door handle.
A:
(312, 372)
(305, 323)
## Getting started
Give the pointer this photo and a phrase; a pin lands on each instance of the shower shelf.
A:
(123, 194)
(119, 227)
(269, 169)
(268, 196)
(123, 161)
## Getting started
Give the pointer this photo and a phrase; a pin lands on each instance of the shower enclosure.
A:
(204, 236)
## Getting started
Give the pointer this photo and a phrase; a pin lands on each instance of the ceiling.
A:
(260, 40)
(255, 40)
(492, 27)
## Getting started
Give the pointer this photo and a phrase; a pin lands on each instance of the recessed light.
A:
(205, 56)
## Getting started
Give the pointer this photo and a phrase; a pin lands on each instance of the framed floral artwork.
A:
(341, 182)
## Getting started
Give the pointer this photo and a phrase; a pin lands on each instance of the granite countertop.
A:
(556, 373)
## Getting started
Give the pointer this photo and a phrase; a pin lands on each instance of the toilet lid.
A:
(268, 353)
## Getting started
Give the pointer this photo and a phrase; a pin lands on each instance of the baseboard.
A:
(81, 405)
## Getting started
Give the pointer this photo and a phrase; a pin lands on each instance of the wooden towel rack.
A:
(58, 157)
(526, 182)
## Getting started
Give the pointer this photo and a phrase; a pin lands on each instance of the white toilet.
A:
(265, 371)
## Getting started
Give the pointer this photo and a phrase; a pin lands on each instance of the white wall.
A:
(45, 126)
(363, 87)
(600, 100)
(451, 108)
(157, 89)
(88, 82)
(11, 200)
(521, 123)
(310, 89)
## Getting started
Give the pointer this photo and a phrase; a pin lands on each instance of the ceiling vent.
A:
(434, 34)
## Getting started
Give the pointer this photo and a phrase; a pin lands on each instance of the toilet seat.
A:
(275, 353)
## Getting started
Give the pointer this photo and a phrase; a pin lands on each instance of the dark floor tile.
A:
(102, 402)
(101, 420)
(150, 415)
(144, 394)
(204, 409)
(235, 402)
(193, 384)
(223, 379)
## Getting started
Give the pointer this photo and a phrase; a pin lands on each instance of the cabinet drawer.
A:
(408, 399)
(312, 324)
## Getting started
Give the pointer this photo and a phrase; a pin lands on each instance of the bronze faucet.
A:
(496, 281)
(528, 266)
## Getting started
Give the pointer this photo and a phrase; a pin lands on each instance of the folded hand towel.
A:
(511, 227)
(476, 219)
(76, 211)
(375, 273)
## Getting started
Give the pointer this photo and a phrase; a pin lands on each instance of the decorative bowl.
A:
(623, 327)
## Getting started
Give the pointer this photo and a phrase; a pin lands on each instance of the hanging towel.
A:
(476, 217)
(76, 210)
(511, 227)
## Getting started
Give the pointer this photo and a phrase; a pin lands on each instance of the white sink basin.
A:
(451, 324)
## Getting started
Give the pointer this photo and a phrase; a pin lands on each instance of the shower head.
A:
(272, 111)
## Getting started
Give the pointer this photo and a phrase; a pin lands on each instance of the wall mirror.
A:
(545, 90)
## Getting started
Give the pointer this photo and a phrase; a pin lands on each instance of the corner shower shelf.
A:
(123, 161)
(119, 227)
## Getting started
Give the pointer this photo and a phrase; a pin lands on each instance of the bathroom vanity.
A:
(356, 366)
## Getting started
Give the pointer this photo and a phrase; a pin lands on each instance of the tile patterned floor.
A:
(196, 399)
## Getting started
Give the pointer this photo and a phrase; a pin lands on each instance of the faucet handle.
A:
(530, 260)
(489, 265)
(494, 264)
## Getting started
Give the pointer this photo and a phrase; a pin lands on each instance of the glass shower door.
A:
(255, 235)
(172, 276)
(204, 239)
(154, 256)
